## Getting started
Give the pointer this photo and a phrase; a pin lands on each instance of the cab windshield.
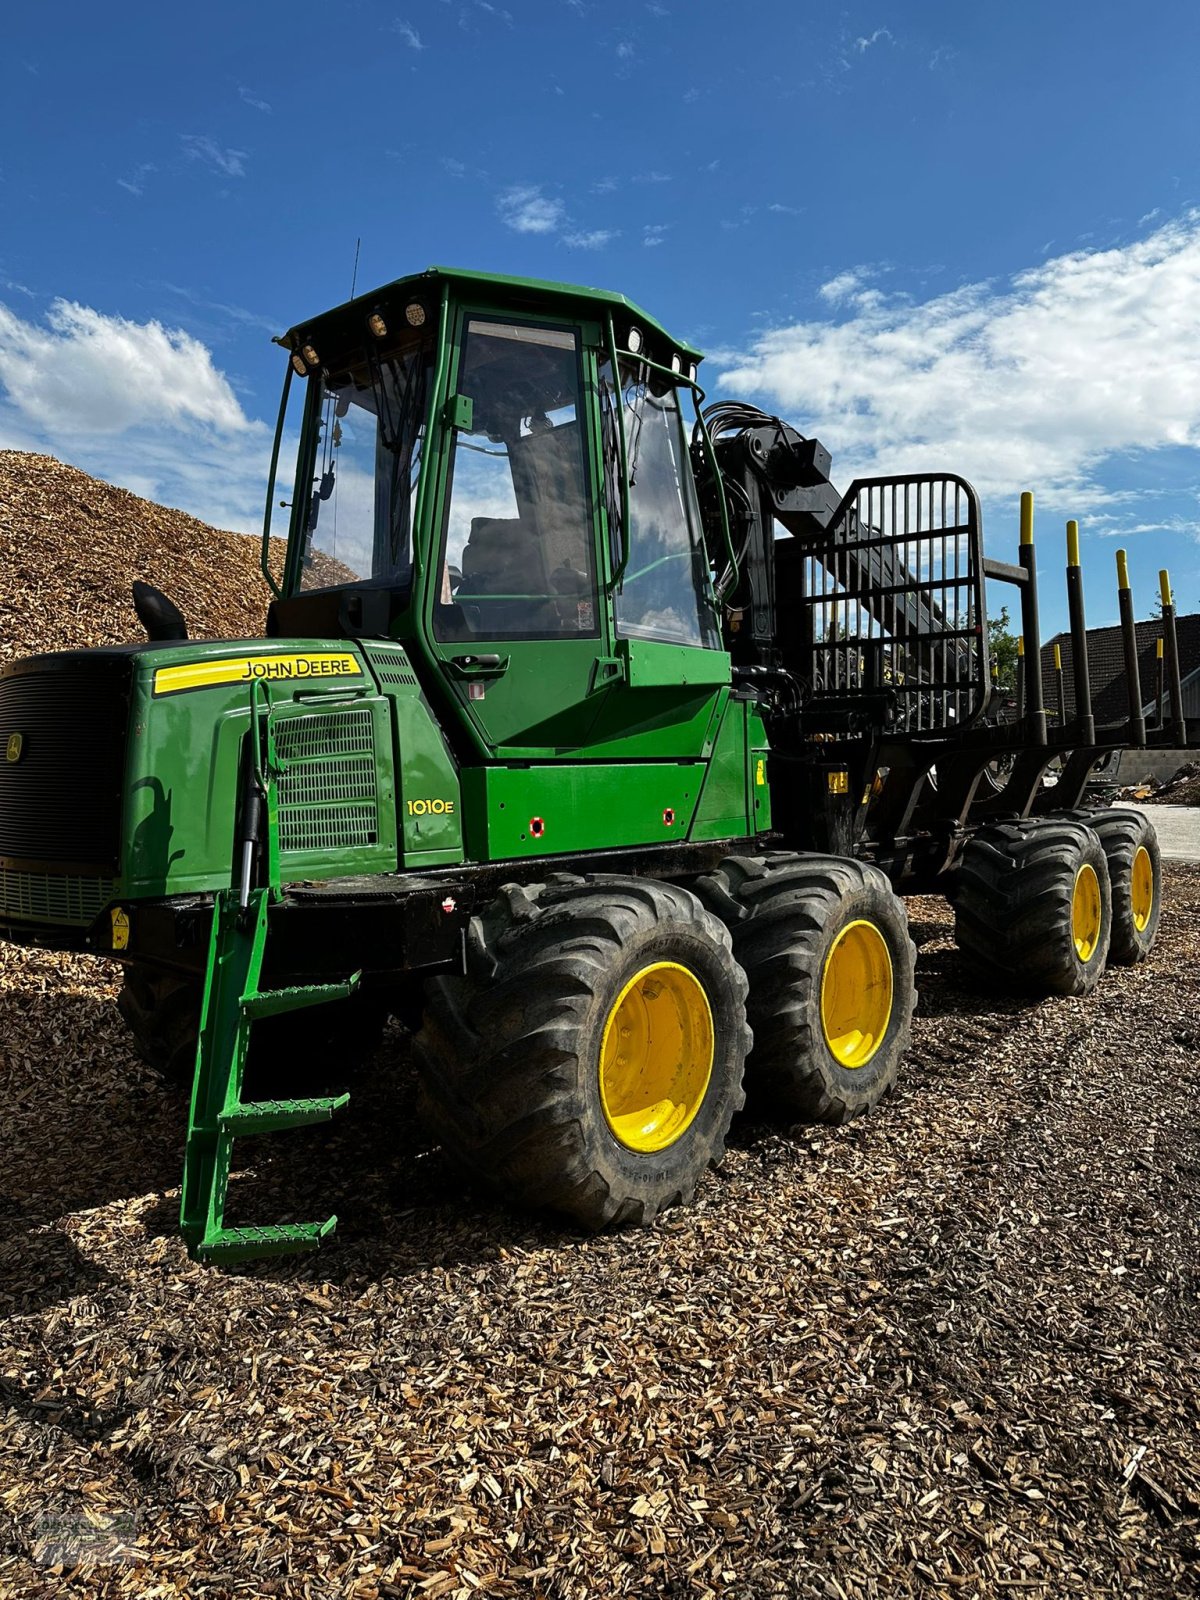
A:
(370, 429)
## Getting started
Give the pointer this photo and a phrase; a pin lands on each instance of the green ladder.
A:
(232, 1002)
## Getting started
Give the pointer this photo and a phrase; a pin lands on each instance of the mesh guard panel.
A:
(328, 796)
(894, 602)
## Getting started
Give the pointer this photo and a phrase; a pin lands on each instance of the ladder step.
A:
(273, 1002)
(244, 1244)
(270, 1116)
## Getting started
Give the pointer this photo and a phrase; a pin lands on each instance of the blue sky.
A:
(934, 234)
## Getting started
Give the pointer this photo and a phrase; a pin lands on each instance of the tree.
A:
(1002, 648)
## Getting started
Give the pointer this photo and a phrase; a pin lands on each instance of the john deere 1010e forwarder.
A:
(594, 730)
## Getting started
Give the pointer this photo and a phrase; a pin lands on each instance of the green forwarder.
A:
(592, 732)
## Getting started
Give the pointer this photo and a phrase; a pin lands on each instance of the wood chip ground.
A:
(948, 1351)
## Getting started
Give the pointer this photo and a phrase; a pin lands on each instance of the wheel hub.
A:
(1085, 912)
(856, 994)
(1142, 888)
(656, 1057)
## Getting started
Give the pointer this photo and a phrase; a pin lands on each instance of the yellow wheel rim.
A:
(856, 994)
(1085, 912)
(1142, 888)
(656, 1057)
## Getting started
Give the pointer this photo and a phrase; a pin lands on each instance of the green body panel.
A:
(337, 800)
(430, 805)
(540, 704)
(735, 799)
(579, 808)
(655, 724)
(650, 665)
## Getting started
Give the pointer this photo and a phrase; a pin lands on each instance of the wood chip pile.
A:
(947, 1351)
(1182, 788)
(70, 548)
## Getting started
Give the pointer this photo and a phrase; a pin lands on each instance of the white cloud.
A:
(84, 370)
(652, 234)
(593, 239)
(408, 33)
(846, 286)
(1039, 382)
(136, 181)
(136, 403)
(525, 209)
(255, 102)
(863, 45)
(203, 148)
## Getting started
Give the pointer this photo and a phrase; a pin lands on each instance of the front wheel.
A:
(161, 1009)
(824, 941)
(590, 1061)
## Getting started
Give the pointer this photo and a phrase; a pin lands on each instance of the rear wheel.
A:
(1130, 845)
(824, 941)
(591, 1059)
(1033, 903)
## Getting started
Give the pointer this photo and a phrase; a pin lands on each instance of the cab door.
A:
(514, 605)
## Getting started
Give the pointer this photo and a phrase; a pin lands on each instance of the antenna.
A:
(354, 274)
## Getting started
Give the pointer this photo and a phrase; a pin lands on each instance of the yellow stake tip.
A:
(1026, 517)
(1020, 645)
(1160, 649)
(1164, 585)
(1057, 658)
(1122, 570)
(1072, 544)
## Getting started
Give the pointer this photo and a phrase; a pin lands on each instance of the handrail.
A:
(265, 553)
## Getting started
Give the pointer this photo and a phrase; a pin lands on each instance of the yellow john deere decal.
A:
(244, 669)
(14, 747)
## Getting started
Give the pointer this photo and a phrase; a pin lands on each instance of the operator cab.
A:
(497, 474)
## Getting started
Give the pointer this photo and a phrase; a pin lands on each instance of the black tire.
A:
(509, 1056)
(1123, 834)
(787, 912)
(1014, 899)
(161, 1008)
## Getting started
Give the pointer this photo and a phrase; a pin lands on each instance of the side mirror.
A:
(161, 618)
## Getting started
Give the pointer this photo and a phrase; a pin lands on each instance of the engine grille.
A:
(60, 799)
(46, 897)
(328, 795)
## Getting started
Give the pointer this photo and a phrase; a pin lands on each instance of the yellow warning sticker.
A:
(120, 929)
(246, 669)
(760, 773)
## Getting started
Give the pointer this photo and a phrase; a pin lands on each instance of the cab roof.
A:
(523, 294)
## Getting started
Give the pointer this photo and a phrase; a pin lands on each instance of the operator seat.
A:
(502, 556)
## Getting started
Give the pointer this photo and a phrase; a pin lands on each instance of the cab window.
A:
(665, 590)
(518, 556)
